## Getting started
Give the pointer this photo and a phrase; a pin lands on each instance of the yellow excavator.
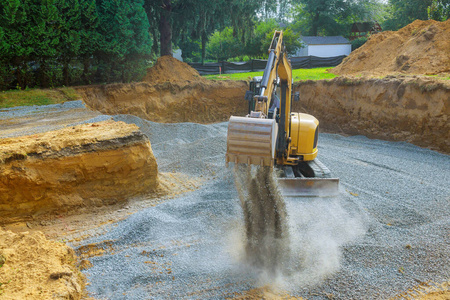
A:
(271, 135)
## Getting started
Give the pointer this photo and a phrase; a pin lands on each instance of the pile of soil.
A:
(172, 70)
(421, 47)
(33, 267)
(81, 166)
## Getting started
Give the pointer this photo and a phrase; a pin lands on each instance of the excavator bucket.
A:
(251, 141)
(309, 187)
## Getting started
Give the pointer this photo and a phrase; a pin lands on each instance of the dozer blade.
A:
(251, 141)
(309, 187)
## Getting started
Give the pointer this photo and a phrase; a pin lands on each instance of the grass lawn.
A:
(298, 74)
(37, 97)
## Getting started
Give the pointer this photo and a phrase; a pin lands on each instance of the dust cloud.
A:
(294, 240)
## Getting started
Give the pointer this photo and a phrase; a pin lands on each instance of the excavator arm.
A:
(272, 135)
(257, 138)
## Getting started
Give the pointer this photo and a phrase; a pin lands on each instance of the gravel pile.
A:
(386, 232)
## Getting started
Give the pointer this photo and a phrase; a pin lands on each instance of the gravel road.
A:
(387, 231)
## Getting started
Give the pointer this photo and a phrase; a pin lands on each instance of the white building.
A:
(324, 46)
(177, 54)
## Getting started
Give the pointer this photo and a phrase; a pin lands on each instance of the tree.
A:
(89, 36)
(125, 41)
(334, 17)
(322, 15)
(223, 45)
(439, 10)
(406, 11)
(69, 25)
(165, 28)
(197, 19)
(31, 36)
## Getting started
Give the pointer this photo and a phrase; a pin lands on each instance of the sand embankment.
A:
(84, 165)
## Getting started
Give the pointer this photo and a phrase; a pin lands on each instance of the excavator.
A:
(271, 135)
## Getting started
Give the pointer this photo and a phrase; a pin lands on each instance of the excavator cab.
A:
(274, 136)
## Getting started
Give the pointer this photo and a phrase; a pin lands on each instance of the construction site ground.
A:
(125, 194)
(386, 233)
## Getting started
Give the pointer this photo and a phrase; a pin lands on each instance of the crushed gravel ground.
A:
(387, 231)
(28, 120)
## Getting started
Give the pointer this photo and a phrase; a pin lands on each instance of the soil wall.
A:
(81, 166)
(414, 110)
(199, 101)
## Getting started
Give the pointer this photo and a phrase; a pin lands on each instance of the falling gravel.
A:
(266, 230)
(386, 232)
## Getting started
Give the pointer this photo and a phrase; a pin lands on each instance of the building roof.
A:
(324, 40)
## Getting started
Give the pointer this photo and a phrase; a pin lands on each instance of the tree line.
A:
(60, 42)
(66, 42)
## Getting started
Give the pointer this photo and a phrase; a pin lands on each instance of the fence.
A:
(300, 62)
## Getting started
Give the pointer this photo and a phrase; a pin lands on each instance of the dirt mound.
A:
(171, 69)
(201, 101)
(421, 47)
(80, 166)
(33, 267)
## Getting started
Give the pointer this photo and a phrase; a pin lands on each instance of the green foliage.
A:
(334, 17)
(54, 42)
(223, 45)
(298, 75)
(322, 17)
(356, 43)
(405, 12)
(125, 42)
(439, 10)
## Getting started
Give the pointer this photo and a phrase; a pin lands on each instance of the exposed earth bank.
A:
(80, 166)
(397, 108)
(169, 102)
(411, 109)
